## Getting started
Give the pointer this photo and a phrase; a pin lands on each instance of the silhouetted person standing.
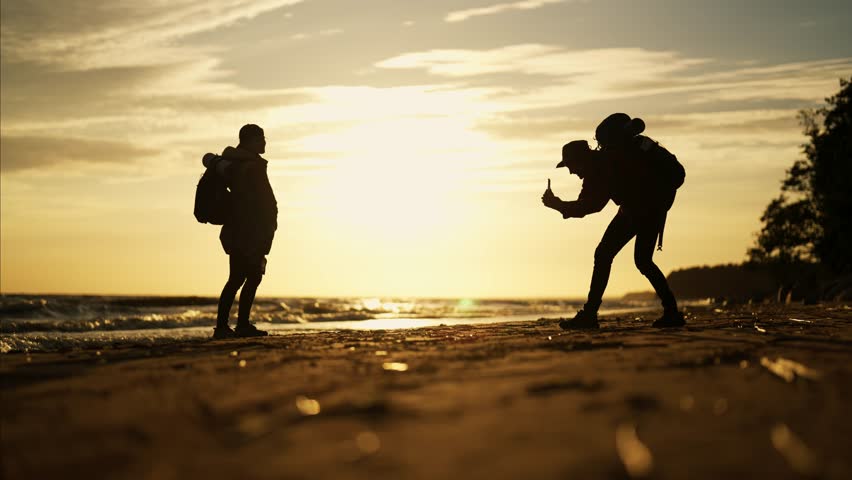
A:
(641, 177)
(247, 234)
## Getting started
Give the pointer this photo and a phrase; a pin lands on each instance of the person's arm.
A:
(592, 199)
(264, 197)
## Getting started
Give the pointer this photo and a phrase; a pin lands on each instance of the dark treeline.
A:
(804, 249)
(807, 282)
(729, 282)
(811, 219)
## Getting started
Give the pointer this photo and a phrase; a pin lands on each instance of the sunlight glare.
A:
(402, 176)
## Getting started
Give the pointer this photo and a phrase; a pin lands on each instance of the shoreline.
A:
(496, 400)
(60, 341)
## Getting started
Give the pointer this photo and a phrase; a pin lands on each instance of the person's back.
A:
(247, 234)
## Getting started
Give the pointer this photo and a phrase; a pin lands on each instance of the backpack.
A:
(666, 170)
(212, 196)
(664, 166)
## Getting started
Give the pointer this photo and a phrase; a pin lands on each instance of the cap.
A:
(573, 151)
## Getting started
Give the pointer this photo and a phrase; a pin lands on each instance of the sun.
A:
(400, 176)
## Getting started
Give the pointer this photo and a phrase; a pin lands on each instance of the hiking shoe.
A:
(221, 333)
(670, 319)
(249, 330)
(580, 321)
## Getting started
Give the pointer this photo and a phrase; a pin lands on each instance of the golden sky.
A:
(409, 141)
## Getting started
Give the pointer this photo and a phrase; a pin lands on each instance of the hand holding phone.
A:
(548, 198)
(548, 192)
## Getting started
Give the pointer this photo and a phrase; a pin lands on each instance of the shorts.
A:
(247, 264)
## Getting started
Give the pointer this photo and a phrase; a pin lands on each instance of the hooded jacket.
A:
(625, 177)
(254, 216)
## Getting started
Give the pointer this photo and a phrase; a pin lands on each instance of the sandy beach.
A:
(742, 392)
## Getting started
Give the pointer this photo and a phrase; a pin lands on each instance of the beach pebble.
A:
(307, 406)
(395, 366)
(798, 455)
(635, 456)
(789, 370)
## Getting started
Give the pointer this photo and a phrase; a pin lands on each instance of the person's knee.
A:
(235, 282)
(645, 264)
(253, 280)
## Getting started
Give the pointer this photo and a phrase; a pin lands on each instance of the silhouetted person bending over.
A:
(641, 177)
(247, 234)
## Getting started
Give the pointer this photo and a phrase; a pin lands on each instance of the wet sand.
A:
(743, 392)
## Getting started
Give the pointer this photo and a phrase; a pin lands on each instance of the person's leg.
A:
(643, 256)
(255, 268)
(236, 278)
(620, 230)
(247, 297)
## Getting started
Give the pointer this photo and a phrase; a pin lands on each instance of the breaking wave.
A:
(53, 322)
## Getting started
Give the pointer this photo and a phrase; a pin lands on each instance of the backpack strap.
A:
(645, 144)
(660, 233)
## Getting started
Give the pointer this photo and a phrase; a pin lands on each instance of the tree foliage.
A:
(811, 219)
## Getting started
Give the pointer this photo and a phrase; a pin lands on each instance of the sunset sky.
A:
(409, 141)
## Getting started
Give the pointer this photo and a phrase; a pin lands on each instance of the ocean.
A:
(31, 323)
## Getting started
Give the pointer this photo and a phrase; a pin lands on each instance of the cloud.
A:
(525, 125)
(166, 104)
(729, 123)
(94, 68)
(30, 152)
(322, 33)
(462, 15)
(527, 76)
(538, 76)
(30, 92)
(714, 113)
(794, 80)
(537, 59)
(90, 34)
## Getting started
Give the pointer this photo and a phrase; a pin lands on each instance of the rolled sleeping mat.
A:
(217, 162)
